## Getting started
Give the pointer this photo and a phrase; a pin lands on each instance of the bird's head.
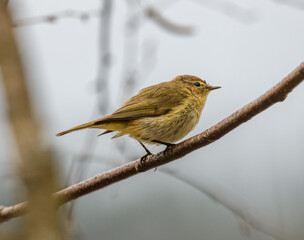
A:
(195, 85)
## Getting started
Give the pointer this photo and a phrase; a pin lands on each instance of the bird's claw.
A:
(170, 145)
(144, 158)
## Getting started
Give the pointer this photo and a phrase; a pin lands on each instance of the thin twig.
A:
(276, 94)
(297, 4)
(230, 9)
(54, 17)
(231, 201)
(150, 12)
(105, 56)
(164, 23)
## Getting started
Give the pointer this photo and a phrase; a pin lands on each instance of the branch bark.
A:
(278, 93)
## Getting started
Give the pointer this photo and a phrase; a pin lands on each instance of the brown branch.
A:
(35, 165)
(276, 94)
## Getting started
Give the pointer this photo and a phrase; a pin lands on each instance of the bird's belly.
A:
(165, 128)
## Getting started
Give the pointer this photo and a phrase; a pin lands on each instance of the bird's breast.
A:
(170, 127)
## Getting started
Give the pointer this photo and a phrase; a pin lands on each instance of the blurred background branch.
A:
(297, 4)
(55, 17)
(5, 2)
(82, 161)
(35, 165)
(153, 14)
(231, 201)
(150, 12)
(230, 9)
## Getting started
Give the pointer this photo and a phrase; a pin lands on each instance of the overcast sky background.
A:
(244, 46)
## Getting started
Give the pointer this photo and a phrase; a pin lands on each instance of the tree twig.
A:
(54, 17)
(235, 203)
(170, 26)
(230, 9)
(298, 4)
(276, 94)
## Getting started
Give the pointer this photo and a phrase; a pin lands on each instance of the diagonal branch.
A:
(276, 94)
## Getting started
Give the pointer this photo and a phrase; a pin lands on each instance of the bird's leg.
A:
(169, 145)
(147, 150)
(143, 158)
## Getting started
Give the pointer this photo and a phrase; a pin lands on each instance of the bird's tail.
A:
(82, 126)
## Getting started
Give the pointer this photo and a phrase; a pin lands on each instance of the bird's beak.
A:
(213, 88)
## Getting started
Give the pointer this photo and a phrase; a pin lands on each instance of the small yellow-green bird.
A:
(160, 114)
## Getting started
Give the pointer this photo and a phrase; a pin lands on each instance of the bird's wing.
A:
(150, 102)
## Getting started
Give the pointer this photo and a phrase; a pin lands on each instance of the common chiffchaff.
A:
(160, 114)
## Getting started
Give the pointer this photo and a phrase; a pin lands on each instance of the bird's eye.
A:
(197, 84)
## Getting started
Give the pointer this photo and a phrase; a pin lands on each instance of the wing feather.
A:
(149, 102)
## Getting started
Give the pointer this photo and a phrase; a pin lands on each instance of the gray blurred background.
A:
(88, 57)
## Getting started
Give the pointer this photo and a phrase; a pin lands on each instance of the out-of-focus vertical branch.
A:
(130, 61)
(5, 2)
(131, 45)
(35, 167)
(102, 79)
(105, 55)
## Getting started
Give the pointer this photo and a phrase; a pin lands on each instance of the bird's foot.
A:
(144, 158)
(169, 145)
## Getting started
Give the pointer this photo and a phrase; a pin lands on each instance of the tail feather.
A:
(82, 126)
(105, 132)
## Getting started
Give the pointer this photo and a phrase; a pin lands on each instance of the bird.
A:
(160, 114)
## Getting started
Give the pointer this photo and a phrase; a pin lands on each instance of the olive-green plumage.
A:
(162, 113)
